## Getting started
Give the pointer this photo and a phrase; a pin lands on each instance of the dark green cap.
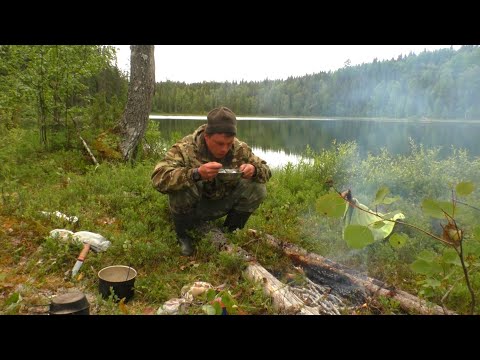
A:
(221, 120)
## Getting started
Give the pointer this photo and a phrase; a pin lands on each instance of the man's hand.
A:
(248, 170)
(209, 170)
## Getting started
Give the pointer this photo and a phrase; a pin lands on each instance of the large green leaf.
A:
(398, 240)
(228, 301)
(451, 257)
(391, 214)
(465, 188)
(476, 233)
(436, 208)
(473, 248)
(390, 200)
(381, 193)
(358, 236)
(209, 309)
(331, 204)
(218, 308)
(435, 268)
(420, 266)
(426, 255)
(424, 267)
(378, 224)
(211, 294)
(432, 283)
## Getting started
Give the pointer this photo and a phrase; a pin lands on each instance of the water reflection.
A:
(285, 140)
(277, 159)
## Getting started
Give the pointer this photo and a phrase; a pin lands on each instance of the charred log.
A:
(338, 283)
(374, 287)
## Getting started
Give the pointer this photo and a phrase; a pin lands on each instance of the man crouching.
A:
(188, 174)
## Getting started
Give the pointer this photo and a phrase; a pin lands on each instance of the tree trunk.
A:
(139, 100)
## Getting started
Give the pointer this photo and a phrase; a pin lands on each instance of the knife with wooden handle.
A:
(80, 259)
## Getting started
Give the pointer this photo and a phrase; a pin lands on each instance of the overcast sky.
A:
(198, 63)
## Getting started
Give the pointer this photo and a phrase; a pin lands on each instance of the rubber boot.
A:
(236, 220)
(184, 223)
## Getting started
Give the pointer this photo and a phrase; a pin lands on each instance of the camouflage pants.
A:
(246, 196)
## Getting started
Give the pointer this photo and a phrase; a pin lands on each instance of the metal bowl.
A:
(74, 303)
(229, 174)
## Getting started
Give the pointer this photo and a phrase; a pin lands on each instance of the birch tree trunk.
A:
(141, 88)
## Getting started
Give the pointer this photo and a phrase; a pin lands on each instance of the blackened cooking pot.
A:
(120, 278)
(74, 303)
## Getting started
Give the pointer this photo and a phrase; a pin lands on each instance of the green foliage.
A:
(426, 264)
(476, 233)
(398, 240)
(296, 188)
(331, 205)
(252, 299)
(110, 305)
(465, 188)
(12, 304)
(440, 272)
(55, 83)
(389, 305)
(461, 259)
(437, 209)
(422, 173)
(380, 196)
(157, 148)
(358, 236)
(231, 263)
(221, 303)
(56, 256)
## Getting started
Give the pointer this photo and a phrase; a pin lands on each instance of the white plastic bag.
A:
(96, 241)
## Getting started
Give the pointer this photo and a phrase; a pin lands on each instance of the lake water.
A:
(280, 140)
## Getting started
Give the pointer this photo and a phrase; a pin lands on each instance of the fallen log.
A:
(284, 300)
(408, 302)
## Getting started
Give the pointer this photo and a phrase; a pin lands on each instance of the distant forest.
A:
(441, 84)
(52, 86)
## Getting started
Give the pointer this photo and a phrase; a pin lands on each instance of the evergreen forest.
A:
(442, 84)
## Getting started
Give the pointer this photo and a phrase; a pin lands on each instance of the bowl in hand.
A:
(229, 174)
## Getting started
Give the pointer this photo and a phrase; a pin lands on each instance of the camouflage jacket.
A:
(174, 172)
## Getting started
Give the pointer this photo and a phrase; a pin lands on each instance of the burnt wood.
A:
(407, 301)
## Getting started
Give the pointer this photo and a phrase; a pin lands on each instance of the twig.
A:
(85, 145)
(444, 297)
(461, 202)
(249, 242)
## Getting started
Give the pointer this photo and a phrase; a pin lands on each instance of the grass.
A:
(118, 202)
